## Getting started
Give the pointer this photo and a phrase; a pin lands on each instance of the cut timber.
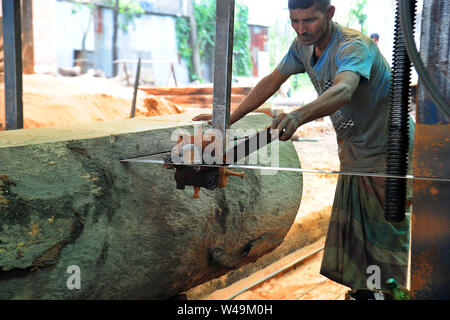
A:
(201, 97)
(66, 200)
(192, 91)
(203, 100)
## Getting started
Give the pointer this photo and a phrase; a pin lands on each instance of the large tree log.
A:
(66, 199)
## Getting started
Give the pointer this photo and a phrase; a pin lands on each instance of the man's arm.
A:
(328, 103)
(263, 90)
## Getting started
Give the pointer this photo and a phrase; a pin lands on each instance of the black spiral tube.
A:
(397, 153)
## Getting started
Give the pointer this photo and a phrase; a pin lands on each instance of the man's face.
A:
(309, 24)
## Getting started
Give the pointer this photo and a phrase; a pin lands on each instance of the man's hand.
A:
(287, 124)
(203, 117)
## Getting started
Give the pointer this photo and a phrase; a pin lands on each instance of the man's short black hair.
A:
(375, 36)
(305, 4)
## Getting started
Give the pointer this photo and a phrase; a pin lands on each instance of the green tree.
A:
(357, 15)
(127, 10)
(242, 64)
(76, 9)
(205, 17)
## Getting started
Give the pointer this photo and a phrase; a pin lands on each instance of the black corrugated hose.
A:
(397, 154)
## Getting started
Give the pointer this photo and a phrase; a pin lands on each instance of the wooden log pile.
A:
(201, 97)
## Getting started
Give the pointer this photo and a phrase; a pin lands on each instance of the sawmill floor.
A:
(303, 282)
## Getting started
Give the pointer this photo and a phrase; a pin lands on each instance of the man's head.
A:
(305, 4)
(375, 37)
(310, 19)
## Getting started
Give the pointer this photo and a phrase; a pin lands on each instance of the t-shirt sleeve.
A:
(291, 63)
(354, 57)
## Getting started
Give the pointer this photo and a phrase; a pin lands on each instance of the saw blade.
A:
(312, 171)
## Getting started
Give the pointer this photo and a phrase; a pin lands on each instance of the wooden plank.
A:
(290, 285)
(329, 290)
(199, 99)
(208, 106)
(192, 91)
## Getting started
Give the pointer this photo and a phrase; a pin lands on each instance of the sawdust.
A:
(303, 282)
(62, 101)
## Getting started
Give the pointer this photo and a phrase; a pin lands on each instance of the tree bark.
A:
(66, 200)
(83, 57)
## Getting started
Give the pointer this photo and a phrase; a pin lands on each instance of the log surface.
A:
(66, 199)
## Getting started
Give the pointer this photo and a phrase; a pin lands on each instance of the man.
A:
(353, 81)
(375, 37)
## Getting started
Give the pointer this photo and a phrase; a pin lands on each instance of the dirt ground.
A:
(61, 101)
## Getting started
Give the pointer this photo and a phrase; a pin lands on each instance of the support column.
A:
(12, 46)
(223, 62)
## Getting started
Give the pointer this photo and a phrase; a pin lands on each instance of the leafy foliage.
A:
(184, 48)
(128, 10)
(77, 7)
(357, 15)
(242, 62)
(205, 17)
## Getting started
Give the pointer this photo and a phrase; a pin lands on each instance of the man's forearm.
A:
(325, 105)
(257, 96)
(328, 103)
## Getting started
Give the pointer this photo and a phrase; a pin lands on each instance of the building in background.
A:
(58, 35)
(261, 17)
(259, 45)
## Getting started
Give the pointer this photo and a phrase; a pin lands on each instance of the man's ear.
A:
(331, 10)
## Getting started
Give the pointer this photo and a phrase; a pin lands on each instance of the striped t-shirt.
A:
(362, 125)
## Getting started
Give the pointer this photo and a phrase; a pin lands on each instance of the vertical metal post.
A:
(223, 62)
(136, 87)
(12, 45)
